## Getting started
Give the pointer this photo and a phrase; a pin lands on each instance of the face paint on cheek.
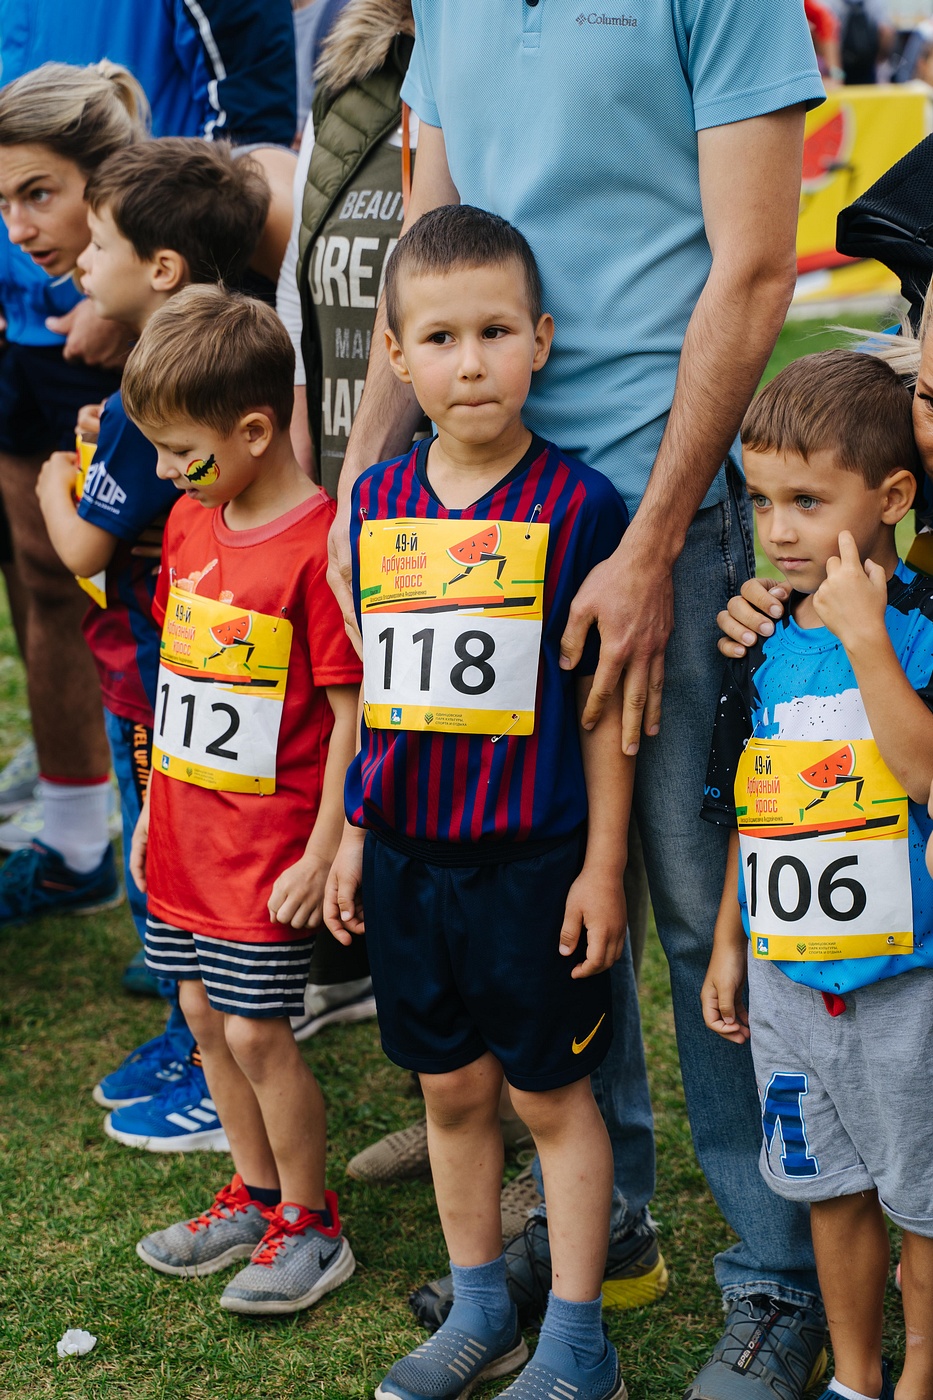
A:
(202, 472)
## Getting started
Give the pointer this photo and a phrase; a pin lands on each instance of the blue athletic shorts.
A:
(465, 959)
(255, 980)
(40, 395)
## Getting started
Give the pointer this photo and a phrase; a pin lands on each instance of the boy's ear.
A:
(899, 490)
(168, 271)
(397, 357)
(257, 430)
(544, 335)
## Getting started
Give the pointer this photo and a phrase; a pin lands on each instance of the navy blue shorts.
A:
(40, 395)
(465, 960)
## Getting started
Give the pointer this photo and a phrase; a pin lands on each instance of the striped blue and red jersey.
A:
(467, 788)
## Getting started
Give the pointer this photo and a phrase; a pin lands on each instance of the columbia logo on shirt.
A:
(617, 21)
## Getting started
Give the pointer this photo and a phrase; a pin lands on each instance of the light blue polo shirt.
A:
(578, 125)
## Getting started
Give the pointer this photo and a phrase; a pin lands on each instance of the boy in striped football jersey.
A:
(486, 829)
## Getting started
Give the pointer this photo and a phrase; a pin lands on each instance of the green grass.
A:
(73, 1203)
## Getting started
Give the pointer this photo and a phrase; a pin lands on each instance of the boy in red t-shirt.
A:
(255, 725)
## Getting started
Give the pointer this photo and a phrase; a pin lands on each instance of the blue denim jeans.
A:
(685, 859)
(131, 754)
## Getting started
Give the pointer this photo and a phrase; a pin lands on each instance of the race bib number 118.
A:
(451, 624)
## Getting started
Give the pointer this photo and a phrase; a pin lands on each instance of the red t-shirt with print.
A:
(214, 856)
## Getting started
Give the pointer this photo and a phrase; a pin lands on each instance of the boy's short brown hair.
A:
(188, 195)
(844, 401)
(210, 355)
(453, 236)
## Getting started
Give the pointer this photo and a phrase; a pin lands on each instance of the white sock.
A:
(839, 1389)
(75, 816)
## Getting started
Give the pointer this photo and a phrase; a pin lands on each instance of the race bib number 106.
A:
(824, 851)
(219, 695)
(452, 613)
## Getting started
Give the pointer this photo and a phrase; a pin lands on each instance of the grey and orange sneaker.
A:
(769, 1350)
(228, 1230)
(297, 1261)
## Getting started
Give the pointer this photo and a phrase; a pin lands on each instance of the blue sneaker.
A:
(452, 1363)
(180, 1119)
(36, 881)
(887, 1384)
(144, 1073)
(555, 1371)
(137, 979)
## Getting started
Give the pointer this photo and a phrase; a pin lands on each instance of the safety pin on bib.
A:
(494, 738)
(534, 515)
(365, 519)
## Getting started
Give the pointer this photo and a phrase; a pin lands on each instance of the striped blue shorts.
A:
(257, 980)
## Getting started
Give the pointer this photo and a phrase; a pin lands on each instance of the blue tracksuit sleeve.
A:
(240, 55)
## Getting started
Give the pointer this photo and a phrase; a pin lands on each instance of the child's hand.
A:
(595, 902)
(88, 424)
(852, 598)
(298, 894)
(139, 847)
(721, 994)
(343, 904)
(57, 475)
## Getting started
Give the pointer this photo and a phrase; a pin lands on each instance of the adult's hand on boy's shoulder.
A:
(91, 338)
(630, 599)
(595, 906)
(751, 614)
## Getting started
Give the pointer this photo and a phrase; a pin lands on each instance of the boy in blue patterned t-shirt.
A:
(822, 759)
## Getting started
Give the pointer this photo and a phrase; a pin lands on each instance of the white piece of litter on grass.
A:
(76, 1342)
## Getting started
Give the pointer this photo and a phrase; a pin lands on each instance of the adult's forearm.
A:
(387, 417)
(728, 341)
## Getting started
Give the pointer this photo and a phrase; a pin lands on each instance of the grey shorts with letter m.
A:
(846, 1099)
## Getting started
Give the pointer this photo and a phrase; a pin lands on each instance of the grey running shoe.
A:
(297, 1261)
(332, 1004)
(768, 1351)
(403, 1156)
(635, 1274)
(452, 1363)
(519, 1198)
(229, 1230)
(18, 779)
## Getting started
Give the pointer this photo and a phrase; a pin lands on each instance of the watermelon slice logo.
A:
(234, 633)
(832, 772)
(827, 149)
(481, 548)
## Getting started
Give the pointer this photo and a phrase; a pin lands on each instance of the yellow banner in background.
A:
(858, 134)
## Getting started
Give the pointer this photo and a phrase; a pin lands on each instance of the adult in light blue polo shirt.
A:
(650, 152)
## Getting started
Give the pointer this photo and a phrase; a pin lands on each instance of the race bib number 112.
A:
(452, 613)
(219, 694)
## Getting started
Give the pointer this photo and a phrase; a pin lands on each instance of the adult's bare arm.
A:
(750, 184)
(388, 413)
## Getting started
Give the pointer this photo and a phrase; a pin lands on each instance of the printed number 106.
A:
(829, 883)
(468, 660)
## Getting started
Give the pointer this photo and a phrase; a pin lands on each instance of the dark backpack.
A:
(860, 42)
